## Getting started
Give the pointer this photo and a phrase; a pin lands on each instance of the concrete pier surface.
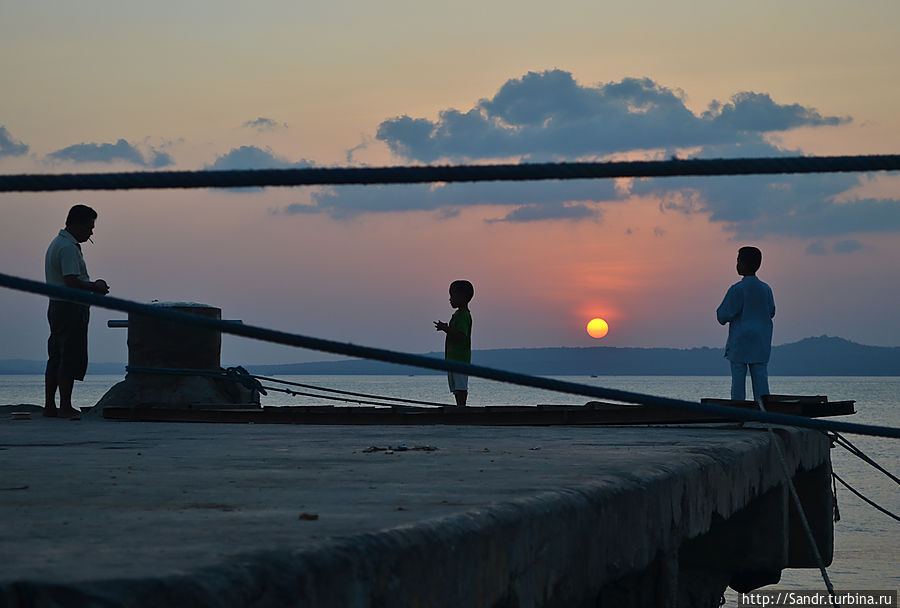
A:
(103, 513)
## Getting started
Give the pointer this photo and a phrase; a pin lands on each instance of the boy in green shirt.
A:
(458, 344)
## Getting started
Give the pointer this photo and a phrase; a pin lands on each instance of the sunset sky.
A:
(124, 86)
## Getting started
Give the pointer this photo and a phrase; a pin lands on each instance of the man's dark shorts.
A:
(67, 346)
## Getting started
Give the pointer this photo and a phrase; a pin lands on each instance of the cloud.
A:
(537, 200)
(757, 113)
(549, 211)
(548, 115)
(351, 153)
(823, 218)
(848, 246)
(9, 146)
(121, 151)
(758, 206)
(263, 124)
(252, 157)
(755, 206)
(821, 248)
(816, 248)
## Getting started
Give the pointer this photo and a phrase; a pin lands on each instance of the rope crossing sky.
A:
(316, 176)
(389, 356)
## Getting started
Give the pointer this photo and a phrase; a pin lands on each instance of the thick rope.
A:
(847, 445)
(385, 404)
(389, 356)
(240, 375)
(446, 173)
(232, 374)
(844, 443)
(872, 503)
(341, 392)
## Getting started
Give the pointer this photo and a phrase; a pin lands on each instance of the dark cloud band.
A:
(121, 151)
(547, 115)
(10, 146)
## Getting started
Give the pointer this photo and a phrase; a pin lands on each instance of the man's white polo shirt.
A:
(64, 258)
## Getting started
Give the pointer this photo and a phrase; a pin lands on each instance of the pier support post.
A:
(814, 489)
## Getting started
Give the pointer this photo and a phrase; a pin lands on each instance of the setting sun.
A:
(597, 328)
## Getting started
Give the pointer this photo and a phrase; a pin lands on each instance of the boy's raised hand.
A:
(440, 326)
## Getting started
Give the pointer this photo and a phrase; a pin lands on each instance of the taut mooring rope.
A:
(389, 356)
(143, 180)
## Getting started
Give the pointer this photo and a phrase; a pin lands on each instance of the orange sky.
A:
(185, 92)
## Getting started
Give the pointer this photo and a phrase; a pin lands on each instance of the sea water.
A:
(867, 551)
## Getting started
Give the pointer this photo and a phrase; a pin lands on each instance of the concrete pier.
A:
(101, 513)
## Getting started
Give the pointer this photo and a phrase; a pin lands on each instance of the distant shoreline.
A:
(821, 356)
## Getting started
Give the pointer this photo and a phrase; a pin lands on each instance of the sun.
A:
(597, 328)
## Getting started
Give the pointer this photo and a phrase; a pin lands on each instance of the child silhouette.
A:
(458, 343)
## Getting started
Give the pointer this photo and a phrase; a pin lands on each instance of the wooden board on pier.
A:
(592, 413)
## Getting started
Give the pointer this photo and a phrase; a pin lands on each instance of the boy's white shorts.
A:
(458, 382)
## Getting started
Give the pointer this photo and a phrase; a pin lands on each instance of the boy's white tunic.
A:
(749, 307)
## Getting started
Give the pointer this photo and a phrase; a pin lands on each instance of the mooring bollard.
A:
(163, 344)
(162, 355)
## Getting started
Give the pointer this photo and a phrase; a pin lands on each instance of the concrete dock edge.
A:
(614, 538)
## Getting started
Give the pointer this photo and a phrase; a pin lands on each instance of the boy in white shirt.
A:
(748, 308)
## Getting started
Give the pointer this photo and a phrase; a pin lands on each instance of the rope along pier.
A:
(241, 376)
(389, 356)
(449, 173)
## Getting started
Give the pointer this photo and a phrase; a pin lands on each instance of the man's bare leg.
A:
(65, 398)
(461, 397)
(50, 386)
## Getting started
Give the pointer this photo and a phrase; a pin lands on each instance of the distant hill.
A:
(822, 356)
(827, 356)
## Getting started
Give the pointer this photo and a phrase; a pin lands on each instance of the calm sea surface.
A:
(867, 551)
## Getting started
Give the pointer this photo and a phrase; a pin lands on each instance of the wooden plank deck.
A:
(592, 413)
